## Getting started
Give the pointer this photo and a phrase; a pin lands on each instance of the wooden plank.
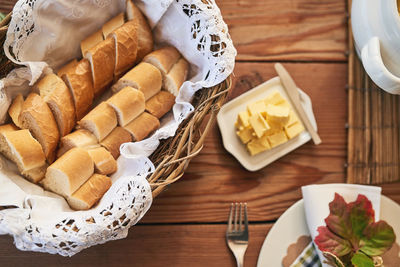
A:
(214, 178)
(287, 29)
(160, 245)
(7, 5)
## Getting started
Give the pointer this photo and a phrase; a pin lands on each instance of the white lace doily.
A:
(43, 221)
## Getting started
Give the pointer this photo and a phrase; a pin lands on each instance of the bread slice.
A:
(78, 78)
(100, 121)
(69, 172)
(21, 148)
(176, 76)
(91, 41)
(160, 104)
(8, 128)
(126, 45)
(90, 192)
(63, 70)
(37, 117)
(145, 35)
(142, 126)
(104, 162)
(57, 95)
(163, 58)
(80, 138)
(144, 77)
(115, 139)
(113, 24)
(15, 109)
(128, 104)
(102, 63)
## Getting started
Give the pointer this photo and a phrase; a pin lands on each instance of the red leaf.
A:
(361, 214)
(330, 242)
(338, 219)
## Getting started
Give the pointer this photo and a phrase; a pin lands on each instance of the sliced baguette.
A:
(128, 104)
(104, 162)
(160, 104)
(15, 109)
(69, 172)
(142, 126)
(8, 128)
(91, 41)
(115, 139)
(37, 117)
(64, 70)
(177, 75)
(90, 192)
(113, 24)
(163, 58)
(80, 138)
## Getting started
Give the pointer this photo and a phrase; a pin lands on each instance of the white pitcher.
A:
(376, 30)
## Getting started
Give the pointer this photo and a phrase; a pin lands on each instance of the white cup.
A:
(376, 31)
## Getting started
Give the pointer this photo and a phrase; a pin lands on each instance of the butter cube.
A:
(243, 119)
(278, 114)
(256, 107)
(258, 145)
(292, 119)
(294, 130)
(245, 135)
(277, 139)
(259, 125)
(275, 98)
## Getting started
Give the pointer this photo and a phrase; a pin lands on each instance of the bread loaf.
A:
(38, 118)
(115, 139)
(176, 76)
(80, 138)
(102, 62)
(142, 126)
(163, 58)
(160, 104)
(104, 162)
(90, 192)
(100, 121)
(128, 104)
(69, 172)
(15, 109)
(144, 77)
(21, 148)
(57, 95)
(79, 81)
(63, 70)
(145, 35)
(113, 24)
(91, 41)
(126, 45)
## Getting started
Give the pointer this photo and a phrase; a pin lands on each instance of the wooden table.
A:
(186, 224)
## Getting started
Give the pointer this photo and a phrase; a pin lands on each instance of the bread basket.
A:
(171, 158)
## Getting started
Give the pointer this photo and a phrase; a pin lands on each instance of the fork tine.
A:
(246, 223)
(240, 216)
(236, 217)
(230, 218)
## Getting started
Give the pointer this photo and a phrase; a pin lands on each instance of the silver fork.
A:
(237, 233)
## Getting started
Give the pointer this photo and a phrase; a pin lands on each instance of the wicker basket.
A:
(173, 155)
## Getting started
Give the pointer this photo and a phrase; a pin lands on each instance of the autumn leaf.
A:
(330, 242)
(361, 214)
(378, 238)
(338, 221)
(361, 260)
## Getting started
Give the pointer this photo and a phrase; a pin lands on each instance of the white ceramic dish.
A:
(228, 114)
(292, 224)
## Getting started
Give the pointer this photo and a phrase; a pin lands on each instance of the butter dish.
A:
(229, 112)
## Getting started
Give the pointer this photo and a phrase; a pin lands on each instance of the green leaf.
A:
(361, 260)
(361, 214)
(338, 219)
(327, 241)
(378, 238)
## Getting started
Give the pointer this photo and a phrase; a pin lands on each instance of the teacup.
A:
(376, 31)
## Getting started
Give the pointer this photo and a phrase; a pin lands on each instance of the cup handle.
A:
(372, 60)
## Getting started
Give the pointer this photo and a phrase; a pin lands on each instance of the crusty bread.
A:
(160, 104)
(126, 45)
(176, 76)
(8, 128)
(91, 41)
(69, 172)
(78, 138)
(102, 62)
(115, 139)
(142, 126)
(90, 192)
(128, 104)
(38, 118)
(145, 35)
(57, 95)
(104, 162)
(64, 69)
(113, 24)
(163, 58)
(100, 121)
(144, 77)
(79, 81)
(21, 148)
(15, 109)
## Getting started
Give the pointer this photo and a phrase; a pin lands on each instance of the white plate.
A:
(292, 224)
(228, 114)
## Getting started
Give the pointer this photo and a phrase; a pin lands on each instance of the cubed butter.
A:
(292, 119)
(245, 135)
(258, 145)
(294, 130)
(259, 125)
(278, 114)
(243, 119)
(277, 139)
(275, 98)
(256, 107)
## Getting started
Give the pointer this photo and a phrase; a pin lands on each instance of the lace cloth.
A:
(45, 34)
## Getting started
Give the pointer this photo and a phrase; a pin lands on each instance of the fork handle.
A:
(239, 260)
